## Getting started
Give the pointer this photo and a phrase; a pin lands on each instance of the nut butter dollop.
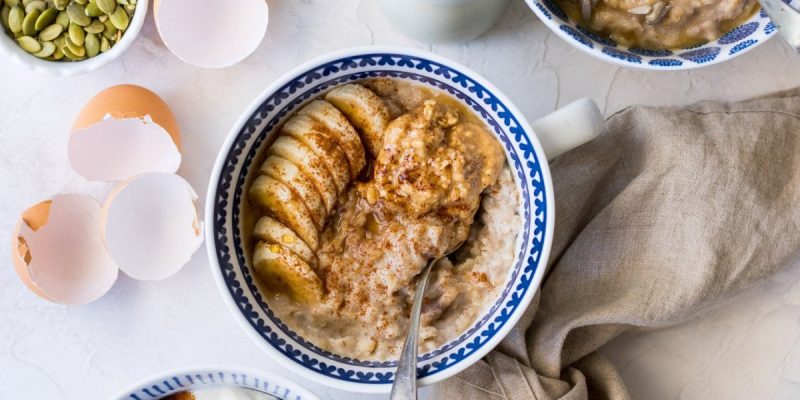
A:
(431, 162)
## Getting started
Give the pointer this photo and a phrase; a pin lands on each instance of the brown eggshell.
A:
(35, 217)
(128, 101)
(58, 251)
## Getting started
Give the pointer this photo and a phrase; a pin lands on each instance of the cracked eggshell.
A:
(123, 131)
(58, 251)
(211, 33)
(150, 225)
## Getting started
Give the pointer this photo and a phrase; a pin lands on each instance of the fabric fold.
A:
(669, 212)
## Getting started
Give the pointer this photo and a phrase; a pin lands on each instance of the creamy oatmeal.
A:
(660, 24)
(432, 177)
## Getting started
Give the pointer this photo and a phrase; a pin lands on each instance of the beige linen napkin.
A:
(668, 212)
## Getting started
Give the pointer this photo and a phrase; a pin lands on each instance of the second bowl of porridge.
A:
(346, 177)
(658, 34)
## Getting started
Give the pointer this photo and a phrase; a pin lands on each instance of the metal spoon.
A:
(786, 19)
(405, 379)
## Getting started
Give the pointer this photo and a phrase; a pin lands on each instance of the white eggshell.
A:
(68, 261)
(212, 33)
(117, 149)
(151, 226)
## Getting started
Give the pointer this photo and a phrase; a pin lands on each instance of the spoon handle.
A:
(786, 19)
(405, 380)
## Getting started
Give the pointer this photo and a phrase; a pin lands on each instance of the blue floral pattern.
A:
(166, 386)
(739, 39)
(577, 35)
(236, 271)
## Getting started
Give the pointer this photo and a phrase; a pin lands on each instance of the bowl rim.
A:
(10, 49)
(225, 148)
(554, 25)
(158, 378)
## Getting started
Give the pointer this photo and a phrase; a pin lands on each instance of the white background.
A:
(744, 349)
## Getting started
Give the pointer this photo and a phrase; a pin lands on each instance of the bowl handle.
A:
(569, 127)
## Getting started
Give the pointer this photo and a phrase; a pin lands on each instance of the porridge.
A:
(660, 24)
(358, 192)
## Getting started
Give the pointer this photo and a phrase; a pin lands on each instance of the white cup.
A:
(443, 20)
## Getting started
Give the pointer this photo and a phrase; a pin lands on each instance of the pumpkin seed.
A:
(107, 6)
(63, 19)
(92, 10)
(92, 45)
(47, 18)
(58, 54)
(15, 19)
(48, 48)
(76, 34)
(67, 29)
(660, 10)
(120, 19)
(110, 29)
(50, 33)
(77, 14)
(61, 42)
(76, 49)
(69, 54)
(40, 5)
(29, 23)
(586, 10)
(95, 27)
(104, 45)
(643, 9)
(4, 13)
(29, 44)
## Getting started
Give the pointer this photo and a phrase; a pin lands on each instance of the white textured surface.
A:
(745, 349)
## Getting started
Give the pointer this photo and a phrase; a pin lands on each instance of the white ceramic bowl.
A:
(198, 377)
(739, 40)
(10, 48)
(255, 129)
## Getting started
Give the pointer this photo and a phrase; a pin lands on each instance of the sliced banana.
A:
(287, 173)
(279, 200)
(311, 165)
(340, 130)
(271, 230)
(305, 130)
(282, 270)
(365, 110)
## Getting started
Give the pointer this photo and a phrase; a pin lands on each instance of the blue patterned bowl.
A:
(739, 40)
(198, 377)
(235, 161)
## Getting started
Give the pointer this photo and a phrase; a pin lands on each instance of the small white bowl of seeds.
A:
(68, 37)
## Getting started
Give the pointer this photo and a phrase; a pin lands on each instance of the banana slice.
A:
(287, 173)
(271, 230)
(279, 200)
(305, 130)
(365, 110)
(282, 270)
(311, 165)
(340, 129)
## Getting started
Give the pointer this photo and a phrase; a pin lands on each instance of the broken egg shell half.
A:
(211, 33)
(124, 131)
(58, 251)
(150, 225)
